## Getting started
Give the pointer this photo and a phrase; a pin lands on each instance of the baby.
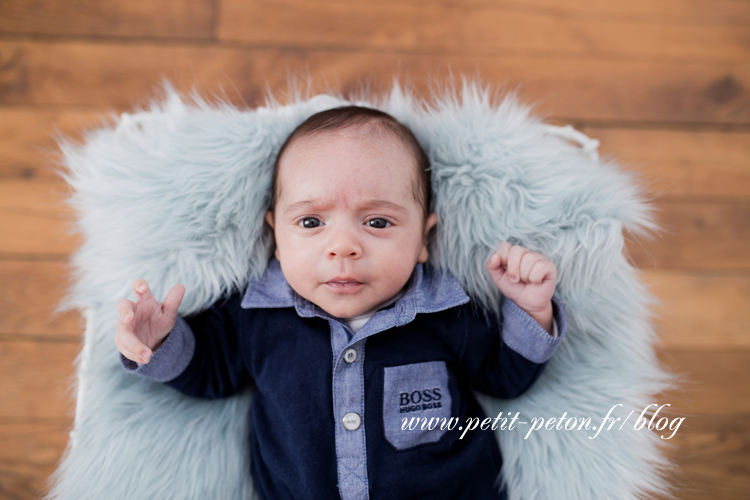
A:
(350, 333)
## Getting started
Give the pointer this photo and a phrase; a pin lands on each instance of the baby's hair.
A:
(347, 117)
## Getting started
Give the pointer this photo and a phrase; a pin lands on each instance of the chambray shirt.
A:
(328, 407)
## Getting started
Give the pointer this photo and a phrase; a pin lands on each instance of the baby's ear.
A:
(428, 226)
(269, 221)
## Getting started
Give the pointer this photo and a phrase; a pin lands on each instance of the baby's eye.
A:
(310, 222)
(378, 223)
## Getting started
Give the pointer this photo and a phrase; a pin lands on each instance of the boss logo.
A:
(425, 399)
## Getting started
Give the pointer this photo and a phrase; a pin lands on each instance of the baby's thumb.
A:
(173, 300)
(494, 267)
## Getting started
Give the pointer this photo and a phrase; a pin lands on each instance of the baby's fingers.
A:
(541, 270)
(503, 249)
(515, 256)
(126, 309)
(142, 290)
(528, 268)
(172, 301)
(494, 262)
(129, 345)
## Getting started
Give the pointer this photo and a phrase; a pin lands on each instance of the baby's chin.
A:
(346, 307)
(348, 304)
(345, 311)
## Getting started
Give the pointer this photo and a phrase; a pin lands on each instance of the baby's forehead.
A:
(330, 144)
(381, 158)
(366, 135)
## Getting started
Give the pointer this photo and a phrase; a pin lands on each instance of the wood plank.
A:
(724, 11)
(31, 293)
(43, 197)
(704, 286)
(712, 455)
(106, 74)
(29, 453)
(681, 163)
(701, 310)
(476, 29)
(34, 219)
(715, 382)
(187, 19)
(36, 379)
(697, 236)
(38, 235)
(27, 145)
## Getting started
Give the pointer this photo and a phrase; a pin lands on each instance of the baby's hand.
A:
(527, 278)
(144, 325)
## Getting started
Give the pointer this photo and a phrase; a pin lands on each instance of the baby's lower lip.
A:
(344, 286)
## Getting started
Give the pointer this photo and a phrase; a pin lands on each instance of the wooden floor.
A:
(663, 84)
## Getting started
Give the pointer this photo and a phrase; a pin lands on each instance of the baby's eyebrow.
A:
(370, 204)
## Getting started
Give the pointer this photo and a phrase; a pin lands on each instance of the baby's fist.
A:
(527, 278)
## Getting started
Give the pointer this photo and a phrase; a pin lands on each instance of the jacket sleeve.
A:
(513, 354)
(202, 356)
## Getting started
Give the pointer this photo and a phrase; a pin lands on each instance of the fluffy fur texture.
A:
(175, 194)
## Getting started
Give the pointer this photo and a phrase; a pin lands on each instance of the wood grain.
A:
(109, 74)
(29, 453)
(697, 236)
(27, 138)
(477, 29)
(701, 310)
(34, 219)
(36, 379)
(186, 19)
(45, 197)
(713, 458)
(701, 11)
(715, 382)
(35, 235)
(663, 84)
(680, 164)
(27, 307)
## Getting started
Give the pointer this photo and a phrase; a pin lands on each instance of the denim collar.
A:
(426, 291)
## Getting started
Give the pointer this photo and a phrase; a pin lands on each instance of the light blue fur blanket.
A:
(175, 194)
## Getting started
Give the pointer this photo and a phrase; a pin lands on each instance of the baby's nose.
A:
(344, 244)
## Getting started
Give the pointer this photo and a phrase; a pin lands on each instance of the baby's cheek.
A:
(397, 274)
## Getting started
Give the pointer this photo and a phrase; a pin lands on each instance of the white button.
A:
(350, 355)
(352, 421)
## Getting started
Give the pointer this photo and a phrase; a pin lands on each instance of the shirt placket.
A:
(349, 411)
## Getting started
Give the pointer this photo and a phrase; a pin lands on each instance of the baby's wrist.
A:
(544, 317)
(159, 344)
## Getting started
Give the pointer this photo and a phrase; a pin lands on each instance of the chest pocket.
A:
(418, 393)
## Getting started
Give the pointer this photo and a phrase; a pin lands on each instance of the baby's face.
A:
(348, 228)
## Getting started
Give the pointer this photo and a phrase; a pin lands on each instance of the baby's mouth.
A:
(344, 285)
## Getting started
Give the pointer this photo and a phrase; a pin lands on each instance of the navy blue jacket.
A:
(329, 405)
